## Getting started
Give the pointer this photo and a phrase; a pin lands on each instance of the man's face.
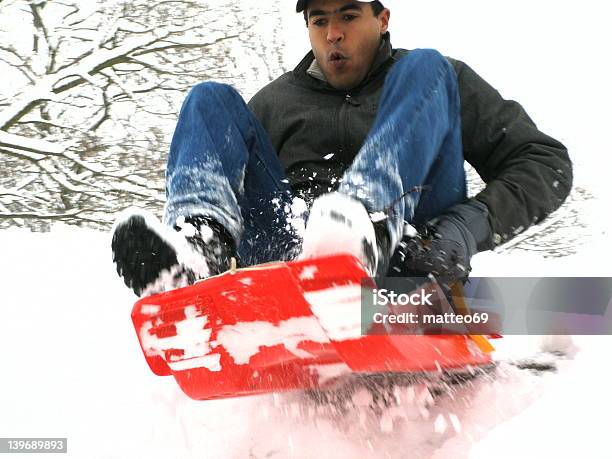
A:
(345, 37)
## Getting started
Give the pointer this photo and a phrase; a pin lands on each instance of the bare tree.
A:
(94, 91)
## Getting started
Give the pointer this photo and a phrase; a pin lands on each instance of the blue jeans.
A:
(222, 164)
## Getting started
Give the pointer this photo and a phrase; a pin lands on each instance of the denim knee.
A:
(425, 57)
(426, 63)
(212, 89)
(429, 65)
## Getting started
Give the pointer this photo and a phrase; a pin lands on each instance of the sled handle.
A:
(482, 342)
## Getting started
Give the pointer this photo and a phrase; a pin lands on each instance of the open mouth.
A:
(336, 56)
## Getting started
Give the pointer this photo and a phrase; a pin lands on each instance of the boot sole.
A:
(140, 254)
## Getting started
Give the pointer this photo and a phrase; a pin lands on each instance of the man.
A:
(376, 136)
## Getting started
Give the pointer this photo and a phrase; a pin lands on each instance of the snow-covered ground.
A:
(72, 367)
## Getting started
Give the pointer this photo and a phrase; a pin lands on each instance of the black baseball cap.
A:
(301, 5)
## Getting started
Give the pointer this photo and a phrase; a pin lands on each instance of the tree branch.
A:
(42, 216)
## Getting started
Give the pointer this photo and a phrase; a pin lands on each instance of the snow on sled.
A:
(282, 326)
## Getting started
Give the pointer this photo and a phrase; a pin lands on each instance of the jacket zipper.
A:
(344, 115)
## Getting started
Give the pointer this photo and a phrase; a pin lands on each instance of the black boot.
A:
(153, 258)
(212, 241)
(383, 246)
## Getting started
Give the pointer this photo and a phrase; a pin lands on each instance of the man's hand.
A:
(448, 243)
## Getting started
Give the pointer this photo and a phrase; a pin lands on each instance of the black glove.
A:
(444, 248)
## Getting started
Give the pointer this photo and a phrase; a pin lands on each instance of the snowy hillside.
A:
(72, 368)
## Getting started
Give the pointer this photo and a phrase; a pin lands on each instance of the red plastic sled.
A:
(280, 327)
